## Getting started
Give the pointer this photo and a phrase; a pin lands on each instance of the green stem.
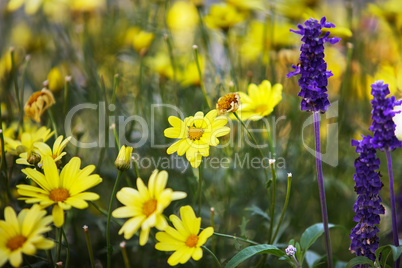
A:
(213, 255)
(3, 161)
(16, 89)
(124, 253)
(212, 222)
(271, 225)
(24, 73)
(67, 248)
(236, 238)
(49, 112)
(104, 212)
(255, 142)
(199, 187)
(66, 93)
(115, 84)
(89, 245)
(109, 216)
(229, 56)
(59, 245)
(284, 206)
(204, 92)
(116, 138)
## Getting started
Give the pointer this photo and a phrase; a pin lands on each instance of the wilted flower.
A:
(260, 100)
(145, 206)
(64, 190)
(228, 103)
(185, 239)
(23, 234)
(196, 134)
(122, 162)
(312, 67)
(38, 103)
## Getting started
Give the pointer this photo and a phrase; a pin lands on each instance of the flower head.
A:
(28, 139)
(228, 103)
(312, 67)
(64, 190)
(185, 238)
(224, 16)
(368, 208)
(196, 134)
(383, 125)
(290, 250)
(145, 206)
(38, 103)
(260, 100)
(23, 234)
(123, 159)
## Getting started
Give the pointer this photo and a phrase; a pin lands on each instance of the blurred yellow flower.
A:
(31, 7)
(64, 190)
(247, 5)
(123, 160)
(182, 16)
(189, 76)
(38, 103)
(87, 5)
(56, 78)
(185, 239)
(224, 16)
(196, 134)
(145, 206)
(161, 64)
(297, 9)
(23, 234)
(28, 138)
(142, 40)
(43, 150)
(390, 11)
(260, 100)
(392, 73)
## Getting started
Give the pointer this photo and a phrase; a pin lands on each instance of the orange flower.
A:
(38, 103)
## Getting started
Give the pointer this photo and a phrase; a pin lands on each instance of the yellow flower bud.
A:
(122, 162)
(38, 103)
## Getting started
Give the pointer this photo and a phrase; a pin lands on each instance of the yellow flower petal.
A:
(58, 215)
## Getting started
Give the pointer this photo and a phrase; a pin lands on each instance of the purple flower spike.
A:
(383, 126)
(312, 67)
(364, 240)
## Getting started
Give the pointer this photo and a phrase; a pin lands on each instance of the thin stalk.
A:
(66, 94)
(115, 84)
(104, 212)
(124, 253)
(24, 73)
(199, 187)
(16, 89)
(3, 160)
(89, 245)
(204, 92)
(393, 206)
(109, 216)
(321, 188)
(67, 248)
(230, 60)
(236, 238)
(49, 112)
(213, 255)
(284, 206)
(255, 142)
(59, 244)
(212, 223)
(271, 225)
(172, 59)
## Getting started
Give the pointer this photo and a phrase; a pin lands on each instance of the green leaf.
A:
(396, 251)
(254, 250)
(257, 211)
(311, 235)
(359, 260)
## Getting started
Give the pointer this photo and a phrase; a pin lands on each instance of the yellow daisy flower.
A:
(185, 239)
(42, 149)
(196, 134)
(260, 100)
(145, 205)
(27, 140)
(63, 191)
(23, 234)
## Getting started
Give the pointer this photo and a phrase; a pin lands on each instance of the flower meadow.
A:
(200, 133)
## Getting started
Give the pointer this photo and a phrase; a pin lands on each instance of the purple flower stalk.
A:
(313, 89)
(385, 140)
(364, 240)
(312, 67)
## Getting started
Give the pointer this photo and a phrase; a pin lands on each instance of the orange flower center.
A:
(228, 103)
(195, 133)
(16, 242)
(149, 207)
(59, 195)
(192, 241)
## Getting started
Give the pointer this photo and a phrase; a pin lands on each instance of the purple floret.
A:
(368, 207)
(383, 126)
(312, 67)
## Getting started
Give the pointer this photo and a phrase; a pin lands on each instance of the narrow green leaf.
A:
(396, 251)
(359, 260)
(254, 250)
(311, 235)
